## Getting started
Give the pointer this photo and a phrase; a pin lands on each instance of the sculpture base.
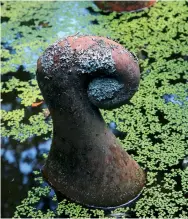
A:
(60, 198)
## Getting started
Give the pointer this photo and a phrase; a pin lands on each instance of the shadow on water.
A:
(19, 74)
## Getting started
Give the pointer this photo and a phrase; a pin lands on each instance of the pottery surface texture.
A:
(77, 76)
(121, 6)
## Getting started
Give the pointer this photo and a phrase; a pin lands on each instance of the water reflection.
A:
(18, 163)
(6, 107)
(119, 215)
(119, 134)
(185, 163)
(45, 146)
(47, 202)
(10, 101)
(7, 45)
(64, 22)
(33, 57)
(172, 98)
(9, 156)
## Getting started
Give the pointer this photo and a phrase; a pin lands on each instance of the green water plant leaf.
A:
(155, 121)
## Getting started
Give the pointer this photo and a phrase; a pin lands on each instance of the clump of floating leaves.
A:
(155, 121)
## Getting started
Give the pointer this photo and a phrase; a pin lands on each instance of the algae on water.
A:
(157, 126)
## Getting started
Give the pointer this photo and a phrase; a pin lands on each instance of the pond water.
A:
(18, 163)
(157, 126)
(19, 160)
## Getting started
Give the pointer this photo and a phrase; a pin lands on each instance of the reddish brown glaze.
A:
(86, 164)
(121, 6)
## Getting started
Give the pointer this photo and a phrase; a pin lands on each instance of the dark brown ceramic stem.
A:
(86, 163)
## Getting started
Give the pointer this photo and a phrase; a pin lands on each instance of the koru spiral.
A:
(77, 76)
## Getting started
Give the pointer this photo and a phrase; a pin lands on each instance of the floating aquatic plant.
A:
(156, 137)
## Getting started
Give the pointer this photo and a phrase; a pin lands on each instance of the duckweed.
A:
(156, 129)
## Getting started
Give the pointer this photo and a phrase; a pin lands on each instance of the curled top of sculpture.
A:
(109, 72)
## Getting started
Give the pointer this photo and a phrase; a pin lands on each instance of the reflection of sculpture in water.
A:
(78, 75)
(121, 6)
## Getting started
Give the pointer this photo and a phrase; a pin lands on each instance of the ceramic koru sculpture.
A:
(77, 76)
(121, 6)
